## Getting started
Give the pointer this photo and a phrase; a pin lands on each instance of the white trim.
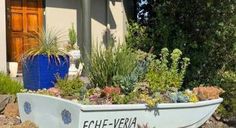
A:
(3, 47)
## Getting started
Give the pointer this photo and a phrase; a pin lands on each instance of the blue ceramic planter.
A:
(42, 71)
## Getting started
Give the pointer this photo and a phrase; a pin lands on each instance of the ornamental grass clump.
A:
(9, 86)
(48, 41)
(168, 71)
(107, 66)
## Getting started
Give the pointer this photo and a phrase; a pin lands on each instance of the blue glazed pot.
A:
(41, 71)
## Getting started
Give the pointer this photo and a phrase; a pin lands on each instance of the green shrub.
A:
(9, 86)
(164, 75)
(138, 37)
(203, 30)
(70, 87)
(227, 81)
(105, 64)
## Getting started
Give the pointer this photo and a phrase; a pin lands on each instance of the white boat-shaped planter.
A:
(53, 112)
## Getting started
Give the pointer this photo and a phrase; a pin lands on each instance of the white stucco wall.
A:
(119, 16)
(3, 58)
(108, 19)
(60, 14)
(98, 22)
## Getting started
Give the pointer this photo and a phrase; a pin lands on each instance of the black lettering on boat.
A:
(116, 121)
(104, 123)
(91, 122)
(85, 124)
(98, 124)
(126, 123)
(121, 122)
(134, 121)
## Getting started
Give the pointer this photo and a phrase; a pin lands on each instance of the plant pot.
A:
(41, 71)
(13, 69)
(75, 55)
(53, 112)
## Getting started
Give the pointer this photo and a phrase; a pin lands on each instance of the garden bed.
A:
(48, 112)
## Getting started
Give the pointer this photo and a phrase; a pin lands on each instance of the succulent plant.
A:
(168, 71)
(179, 97)
(192, 96)
(127, 83)
(208, 93)
(108, 91)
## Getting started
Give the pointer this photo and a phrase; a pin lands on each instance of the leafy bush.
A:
(163, 75)
(9, 86)
(70, 87)
(138, 38)
(105, 64)
(227, 81)
(203, 30)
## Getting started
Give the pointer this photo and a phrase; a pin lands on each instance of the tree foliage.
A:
(204, 30)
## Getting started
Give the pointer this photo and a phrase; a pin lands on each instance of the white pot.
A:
(75, 54)
(52, 112)
(13, 69)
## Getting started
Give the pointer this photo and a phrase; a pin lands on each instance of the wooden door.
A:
(24, 17)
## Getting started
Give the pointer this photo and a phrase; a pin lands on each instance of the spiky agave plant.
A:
(47, 44)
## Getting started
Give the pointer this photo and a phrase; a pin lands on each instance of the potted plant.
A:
(43, 63)
(72, 39)
(73, 51)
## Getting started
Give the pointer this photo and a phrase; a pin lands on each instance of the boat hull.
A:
(53, 112)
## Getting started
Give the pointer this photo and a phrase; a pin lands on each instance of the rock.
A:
(14, 121)
(3, 120)
(216, 116)
(6, 126)
(26, 124)
(214, 123)
(11, 110)
(4, 100)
